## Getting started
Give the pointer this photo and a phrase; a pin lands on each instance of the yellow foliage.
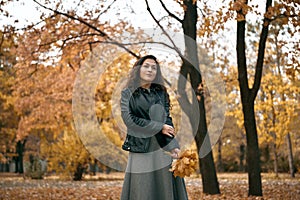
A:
(275, 106)
(65, 154)
(111, 131)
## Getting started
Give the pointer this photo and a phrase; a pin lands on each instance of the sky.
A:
(22, 10)
(27, 11)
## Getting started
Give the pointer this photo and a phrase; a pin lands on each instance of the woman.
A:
(150, 136)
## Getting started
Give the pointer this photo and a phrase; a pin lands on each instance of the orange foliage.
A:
(186, 164)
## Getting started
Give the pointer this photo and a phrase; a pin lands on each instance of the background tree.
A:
(274, 114)
(248, 94)
(8, 116)
(284, 94)
(45, 86)
(67, 156)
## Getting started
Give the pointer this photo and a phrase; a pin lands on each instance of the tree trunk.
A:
(253, 160)
(79, 172)
(273, 134)
(242, 158)
(20, 146)
(248, 96)
(190, 67)
(275, 159)
(220, 166)
(207, 165)
(253, 155)
(290, 154)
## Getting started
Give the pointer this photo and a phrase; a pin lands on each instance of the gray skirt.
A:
(148, 177)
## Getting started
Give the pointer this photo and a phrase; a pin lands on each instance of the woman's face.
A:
(148, 71)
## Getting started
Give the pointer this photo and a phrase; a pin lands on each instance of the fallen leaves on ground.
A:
(108, 187)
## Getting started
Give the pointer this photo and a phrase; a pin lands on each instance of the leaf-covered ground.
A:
(108, 187)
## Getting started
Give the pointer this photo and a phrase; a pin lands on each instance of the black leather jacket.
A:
(144, 112)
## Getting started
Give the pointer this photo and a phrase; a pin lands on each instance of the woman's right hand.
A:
(168, 130)
(175, 153)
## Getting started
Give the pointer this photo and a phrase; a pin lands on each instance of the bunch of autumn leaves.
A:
(186, 163)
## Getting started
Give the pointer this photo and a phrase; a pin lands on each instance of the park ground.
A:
(109, 186)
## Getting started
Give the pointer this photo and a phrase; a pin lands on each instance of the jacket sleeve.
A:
(166, 142)
(167, 110)
(141, 127)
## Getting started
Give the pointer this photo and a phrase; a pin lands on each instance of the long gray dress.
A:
(148, 177)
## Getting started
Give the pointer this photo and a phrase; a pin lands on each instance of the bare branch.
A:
(164, 31)
(102, 33)
(283, 16)
(203, 15)
(108, 7)
(138, 43)
(170, 14)
(179, 2)
(2, 41)
(28, 26)
(74, 18)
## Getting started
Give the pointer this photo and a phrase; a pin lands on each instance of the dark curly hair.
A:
(134, 81)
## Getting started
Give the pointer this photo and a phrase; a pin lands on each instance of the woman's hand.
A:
(175, 153)
(168, 130)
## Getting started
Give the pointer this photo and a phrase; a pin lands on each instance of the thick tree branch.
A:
(183, 99)
(241, 58)
(261, 54)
